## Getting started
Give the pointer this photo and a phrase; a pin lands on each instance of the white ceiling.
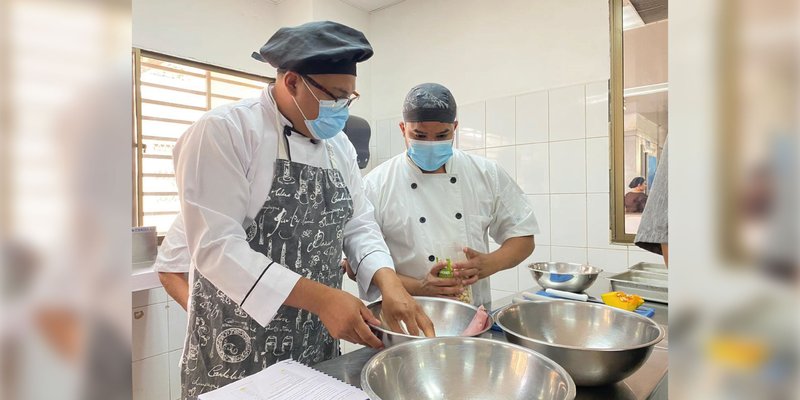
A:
(365, 5)
(372, 5)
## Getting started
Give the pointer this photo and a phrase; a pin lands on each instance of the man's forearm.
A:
(512, 252)
(177, 286)
(386, 279)
(412, 285)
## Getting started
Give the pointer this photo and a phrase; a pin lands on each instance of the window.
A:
(170, 94)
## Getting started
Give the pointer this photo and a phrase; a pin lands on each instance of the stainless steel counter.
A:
(646, 383)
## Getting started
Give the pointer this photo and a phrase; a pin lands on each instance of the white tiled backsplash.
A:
(556, 145)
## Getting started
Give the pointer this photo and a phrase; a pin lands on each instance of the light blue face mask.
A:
(332, 117)
(430, 155)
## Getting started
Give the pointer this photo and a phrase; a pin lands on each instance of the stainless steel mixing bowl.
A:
(449, 317)
(595, 343)
(569, 277)
(463, 368)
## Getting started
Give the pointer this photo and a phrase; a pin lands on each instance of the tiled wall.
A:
(159, 327)
(556, 144)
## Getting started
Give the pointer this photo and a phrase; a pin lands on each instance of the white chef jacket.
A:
(420, 212)
(224, 169)
(173, 255)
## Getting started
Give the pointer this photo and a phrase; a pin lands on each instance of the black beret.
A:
(429, 102)
(320, 47)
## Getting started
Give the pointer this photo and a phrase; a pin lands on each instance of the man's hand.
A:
(398, 305)
(344, 316)
(432, 285)
(478, 266)
(341, 313)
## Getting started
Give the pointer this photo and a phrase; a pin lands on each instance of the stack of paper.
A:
(287, 380)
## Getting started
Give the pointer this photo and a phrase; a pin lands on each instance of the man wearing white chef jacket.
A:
(270, 195)
(433, 194)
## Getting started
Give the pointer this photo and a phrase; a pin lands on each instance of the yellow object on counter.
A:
(622, 300)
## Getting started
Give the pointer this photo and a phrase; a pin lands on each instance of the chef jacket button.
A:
(458, 215)
(422, 219)
(413, 185)
(453, 180)
(431, 258)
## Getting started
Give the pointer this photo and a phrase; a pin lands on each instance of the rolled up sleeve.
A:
(210, 164)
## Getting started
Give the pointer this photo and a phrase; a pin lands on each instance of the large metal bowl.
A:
(449, 317)
(569, 277)
(463, 368)
(596, 344)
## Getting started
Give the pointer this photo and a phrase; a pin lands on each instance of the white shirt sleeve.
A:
(173, 255)
(363, 241)
(513, 214)
(210, 163)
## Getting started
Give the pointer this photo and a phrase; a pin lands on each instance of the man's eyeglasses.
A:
(340, 102)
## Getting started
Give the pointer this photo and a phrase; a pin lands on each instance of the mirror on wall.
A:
(639, 107)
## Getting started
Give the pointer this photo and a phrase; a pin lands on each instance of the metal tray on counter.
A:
(650, 286)
(649, 267)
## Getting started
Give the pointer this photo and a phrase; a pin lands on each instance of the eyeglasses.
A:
(339, 102)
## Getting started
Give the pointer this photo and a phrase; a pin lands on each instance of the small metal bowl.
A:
(449, 317)
(569, 277)
(596, 344)
(464, 368)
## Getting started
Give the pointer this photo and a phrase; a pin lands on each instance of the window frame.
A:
(137, 139)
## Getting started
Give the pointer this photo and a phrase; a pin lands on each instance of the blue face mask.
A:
(332, 117)
(429, 155)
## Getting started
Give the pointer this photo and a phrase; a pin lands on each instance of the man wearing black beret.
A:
(271, 195)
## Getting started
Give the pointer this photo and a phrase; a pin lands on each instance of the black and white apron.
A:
(300, 226)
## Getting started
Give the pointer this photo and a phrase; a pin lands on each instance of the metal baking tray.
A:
(649, 267)
(651, 286)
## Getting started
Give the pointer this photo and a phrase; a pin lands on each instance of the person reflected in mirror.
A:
(636, 199)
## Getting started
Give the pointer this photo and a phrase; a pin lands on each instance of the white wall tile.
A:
(597, 165)
(472, 126)
(568, 254)
(637, 256)
(540, 254)
(175, 375)
(396, 140)
(506, 280)
(500, 122)
(151, 378)
(149, 331)
(568, 220)
(499, 294)
(609, 260)
(534, 168)
(567, 109)
(597, 109)
(532, 118)
(147, 297)
(383, 144)
(477, 152)
(568, 166)
(598, 214)
(176, 320)
(541, 208)
(505, 157)
(525, 279)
